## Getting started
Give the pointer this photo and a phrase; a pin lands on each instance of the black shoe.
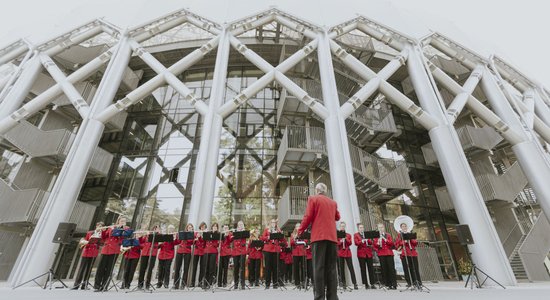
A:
(373, 287)
(83, 287)
(236, 287)
(267, 287)
(75, 287)
(393, 288)
(159, 285)
(256, 284)
(242, 287)
(366, 287)
(355, 287)
(97, 290)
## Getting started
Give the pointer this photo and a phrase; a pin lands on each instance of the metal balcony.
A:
(52, 146)
(20, 207)
(303, 148)
(471, 138)
(292, 206)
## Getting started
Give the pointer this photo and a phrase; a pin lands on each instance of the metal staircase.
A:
(20, 206)
(51, 146)
(516, 263)
(303, 148)
(472, 139)
(369, 127)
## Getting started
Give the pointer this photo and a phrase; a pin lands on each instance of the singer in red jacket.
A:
(165, 257)
(225, 254)
(89, 253)
(183, 257)
(344, 256)
(254, 259)
(298, 256)
(109, 253)
(239, 257)
(409, 257)
(148, 256)
(131, 258)
(321, 214)
(364, 255)
(211, 253)
(272, 249)
(199, 260)
(384, 248)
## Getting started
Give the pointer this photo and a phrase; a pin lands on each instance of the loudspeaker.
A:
(464, 234)
(64, 233)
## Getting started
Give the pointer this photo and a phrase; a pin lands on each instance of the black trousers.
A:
(298, 265)
(388, 270)
(342, 270)
(222, 270)
(184, 258)
(366, 266)
(164, 272)
(254, 271)
(210, 272)
(104, 270)
(271, 268)
(129, 270)
(147, 264)
(238, 269)
(410, 267)
(288, 273)
(199, 264)
(324, 270)
(84, 271)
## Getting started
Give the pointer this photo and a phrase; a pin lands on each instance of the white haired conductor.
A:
(321, 213)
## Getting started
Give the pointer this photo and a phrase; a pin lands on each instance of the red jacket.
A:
(211, 247)
(288, 259)
(167, 250)
(321, 214)
(309, 254)
(363, 248)
(343, 246)
(386, 248)
(271, 245)
(239, 246)
(225, 249)
(254, 253)
(185, 246)
(408, 247)
(133, 253)
(111, 244)
(297, 250)
(145, 246)
(200, 244)
(90, 250)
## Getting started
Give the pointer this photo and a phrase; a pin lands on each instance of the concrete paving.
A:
(440, 291)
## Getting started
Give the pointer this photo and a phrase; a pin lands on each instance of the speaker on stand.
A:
(465, 238)
(63, 236)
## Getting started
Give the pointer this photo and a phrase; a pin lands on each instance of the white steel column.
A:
(487, 252)
(204, 182)
(529, 154)
(39, 253)
(341, 170)
(15, 97)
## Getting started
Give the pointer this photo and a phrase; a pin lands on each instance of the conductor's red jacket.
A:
(321, 214)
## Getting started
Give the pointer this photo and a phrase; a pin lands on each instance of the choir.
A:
(212, 253)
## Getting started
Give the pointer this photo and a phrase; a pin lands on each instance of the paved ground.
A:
(440, 291)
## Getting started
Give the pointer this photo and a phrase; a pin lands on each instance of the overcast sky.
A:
(515, 30)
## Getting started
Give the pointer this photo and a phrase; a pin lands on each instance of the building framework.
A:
(339, 90)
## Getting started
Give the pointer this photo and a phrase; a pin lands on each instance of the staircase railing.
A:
(20, 205)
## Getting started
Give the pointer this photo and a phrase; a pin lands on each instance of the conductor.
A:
(321, 214)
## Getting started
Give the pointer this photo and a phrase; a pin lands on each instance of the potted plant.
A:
(464, 268)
